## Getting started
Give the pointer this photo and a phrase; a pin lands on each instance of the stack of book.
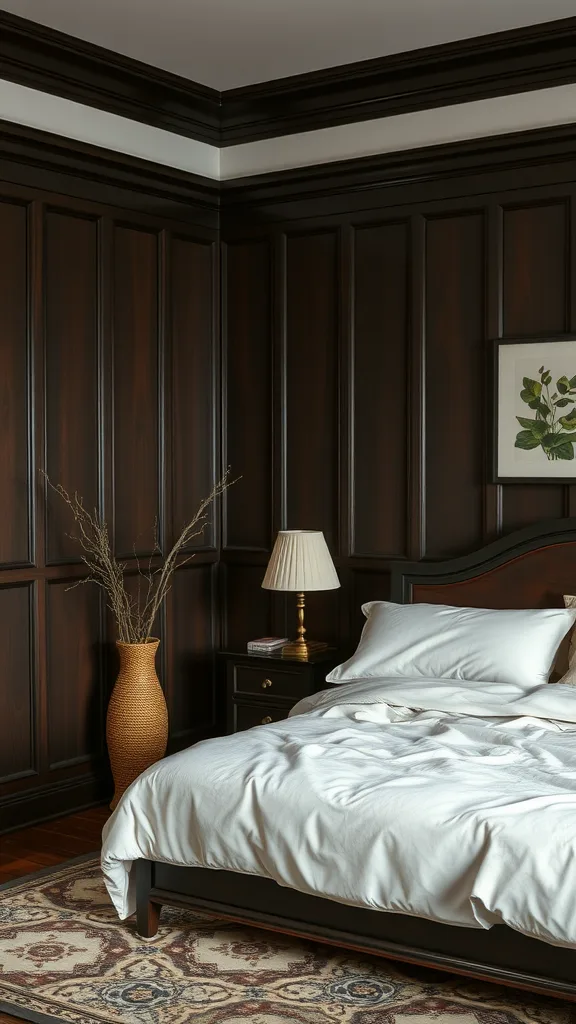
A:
(266, 644)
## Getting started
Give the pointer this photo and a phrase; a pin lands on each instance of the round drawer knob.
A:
(266, 720)
(266, 684)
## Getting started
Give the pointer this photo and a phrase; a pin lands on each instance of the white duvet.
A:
(451, 802)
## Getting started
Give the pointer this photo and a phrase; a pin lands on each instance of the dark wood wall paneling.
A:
(109, 381)
(358, 307)
(377, 361)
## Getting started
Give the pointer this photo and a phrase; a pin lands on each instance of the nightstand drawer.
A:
(261, 687)
(270, 682)
(247, 715)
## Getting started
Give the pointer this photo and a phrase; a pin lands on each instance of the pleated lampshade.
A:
(300, 561)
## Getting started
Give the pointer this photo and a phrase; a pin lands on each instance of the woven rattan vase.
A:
(137, 721)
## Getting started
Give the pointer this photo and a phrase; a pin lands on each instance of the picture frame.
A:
(534, 405)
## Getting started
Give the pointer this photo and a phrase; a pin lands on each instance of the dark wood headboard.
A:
(532, 568)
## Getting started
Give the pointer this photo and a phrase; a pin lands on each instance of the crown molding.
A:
(446, 164)
(53, 62)
(498, 64)
(53, 163)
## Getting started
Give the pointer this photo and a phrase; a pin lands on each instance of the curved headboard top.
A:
(531, 568)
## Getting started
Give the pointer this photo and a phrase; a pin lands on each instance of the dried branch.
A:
(134, 615)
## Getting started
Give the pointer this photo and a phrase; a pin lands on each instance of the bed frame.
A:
(529, 569)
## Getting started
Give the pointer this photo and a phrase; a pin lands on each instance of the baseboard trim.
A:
(30, 807)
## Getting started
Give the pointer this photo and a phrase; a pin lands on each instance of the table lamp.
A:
(300, 561)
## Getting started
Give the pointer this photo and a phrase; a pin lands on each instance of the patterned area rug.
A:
(65, 957)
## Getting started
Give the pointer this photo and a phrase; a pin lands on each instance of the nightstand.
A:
(262, 688)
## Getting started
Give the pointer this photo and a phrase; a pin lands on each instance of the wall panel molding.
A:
(190, 684)
(247, 371)
(137, 391)
(193, 404)
(494, 316)
(380, 385)
(71, 413)
(75, 683)
(455, 398)
(16, 534)
(18, 702)
(312, 382)
(417, 390)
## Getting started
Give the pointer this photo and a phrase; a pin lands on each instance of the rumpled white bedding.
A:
(451, 802)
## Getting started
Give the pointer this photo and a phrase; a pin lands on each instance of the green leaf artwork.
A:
(553, 425)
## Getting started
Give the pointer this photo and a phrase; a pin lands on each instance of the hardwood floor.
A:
(30, 849)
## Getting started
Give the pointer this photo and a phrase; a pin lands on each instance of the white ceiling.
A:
(229, 43)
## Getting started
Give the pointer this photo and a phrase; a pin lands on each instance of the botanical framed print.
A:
(535, 410)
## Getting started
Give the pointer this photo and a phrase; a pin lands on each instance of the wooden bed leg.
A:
(147, 909)
(147, 919)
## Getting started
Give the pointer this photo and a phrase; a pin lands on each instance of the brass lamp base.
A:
(302, 649)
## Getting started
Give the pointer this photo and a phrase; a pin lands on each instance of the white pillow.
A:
(437, 641)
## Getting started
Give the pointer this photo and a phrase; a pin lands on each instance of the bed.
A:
(530, 569)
